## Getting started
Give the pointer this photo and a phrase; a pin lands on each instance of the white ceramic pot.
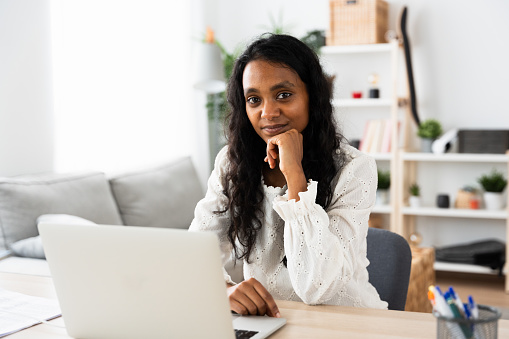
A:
(414, 201)
(382, 196)
(493, 201)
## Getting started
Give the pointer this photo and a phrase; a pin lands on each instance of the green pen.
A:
(457, 314)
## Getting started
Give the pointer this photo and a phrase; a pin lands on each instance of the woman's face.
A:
(276, 98)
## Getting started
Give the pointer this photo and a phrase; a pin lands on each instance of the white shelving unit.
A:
(454, 213)
(463, 268)
(386, 106)
(366, 48)
(403, 164)
(455, 157)
(382, 156)
(408, 164)
(382, 209)
(382, 103)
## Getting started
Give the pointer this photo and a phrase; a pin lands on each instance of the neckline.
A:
(273, 189)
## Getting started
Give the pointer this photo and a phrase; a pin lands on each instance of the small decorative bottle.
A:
(374, 92)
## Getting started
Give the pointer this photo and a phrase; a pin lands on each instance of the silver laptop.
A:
(139, 282)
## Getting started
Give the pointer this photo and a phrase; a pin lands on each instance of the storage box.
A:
(483, 141)
(422, 276)
(357, 22)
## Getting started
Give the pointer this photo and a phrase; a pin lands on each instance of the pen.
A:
(467, 331)
(466, 309)
(431, 296)
(441, 304)
(473, 307)
(457, 300)
(452, 305)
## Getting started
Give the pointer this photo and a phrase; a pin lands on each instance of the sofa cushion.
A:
(32, 247)
(164, 196)
(24, 198)
(29, 248)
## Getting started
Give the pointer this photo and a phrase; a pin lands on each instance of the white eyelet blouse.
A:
(325, 250)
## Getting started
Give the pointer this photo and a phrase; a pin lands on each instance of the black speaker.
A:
(483, 141)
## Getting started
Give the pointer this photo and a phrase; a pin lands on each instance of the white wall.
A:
(26, 130)
(460, 57)
(122, 90)
(204, 14)
(157, 83)
(241, 21)
(460, 50)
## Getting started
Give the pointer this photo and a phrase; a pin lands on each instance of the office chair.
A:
(389, 269)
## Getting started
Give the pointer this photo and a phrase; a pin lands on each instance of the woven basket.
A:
(463, 199)
(422, 276)
(357, 22)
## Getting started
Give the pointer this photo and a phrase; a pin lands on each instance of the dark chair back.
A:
(389, 269)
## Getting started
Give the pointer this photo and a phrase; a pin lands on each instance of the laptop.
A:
(140, 282)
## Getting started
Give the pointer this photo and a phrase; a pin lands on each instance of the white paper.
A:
(19, 311)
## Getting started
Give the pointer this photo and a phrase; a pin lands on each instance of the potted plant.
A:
(415, 195)
(428, 131)
(382, 192)
(493, 185)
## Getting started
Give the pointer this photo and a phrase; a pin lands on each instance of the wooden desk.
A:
(303, 321)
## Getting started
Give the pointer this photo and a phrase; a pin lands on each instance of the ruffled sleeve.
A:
(325, 249)
(205, 218)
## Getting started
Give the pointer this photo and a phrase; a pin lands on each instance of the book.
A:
(386, 142)
(363, 143)
(378, 136)
(367, 140)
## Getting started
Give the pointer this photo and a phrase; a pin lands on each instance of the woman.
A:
(287, 195)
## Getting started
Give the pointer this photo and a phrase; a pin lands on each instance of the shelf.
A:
(362, 103)
(455, 157)
(381, 156)
(454, 212)
(464, 268)
(347, 49)
(381, 209)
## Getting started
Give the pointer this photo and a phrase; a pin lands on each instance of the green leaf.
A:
(493, 182)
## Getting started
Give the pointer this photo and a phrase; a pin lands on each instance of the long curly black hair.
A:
(246, 150)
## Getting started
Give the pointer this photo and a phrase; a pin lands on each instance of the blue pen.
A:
(468, 311)
(441, 304)
(466, 308)
(473, 307)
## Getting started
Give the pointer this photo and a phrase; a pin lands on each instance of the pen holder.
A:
(484, 327)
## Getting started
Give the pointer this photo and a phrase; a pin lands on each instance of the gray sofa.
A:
(163, 196)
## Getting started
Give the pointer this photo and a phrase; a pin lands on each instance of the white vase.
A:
(382, 196)
(493, 201)
(414, 201)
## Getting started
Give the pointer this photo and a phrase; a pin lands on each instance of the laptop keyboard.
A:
(244, 334)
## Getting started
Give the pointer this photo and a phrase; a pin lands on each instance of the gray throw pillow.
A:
(23, 199)
(165, 196)
(29, 248)
(32, 247)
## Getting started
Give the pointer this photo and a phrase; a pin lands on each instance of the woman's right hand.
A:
(250, 297)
